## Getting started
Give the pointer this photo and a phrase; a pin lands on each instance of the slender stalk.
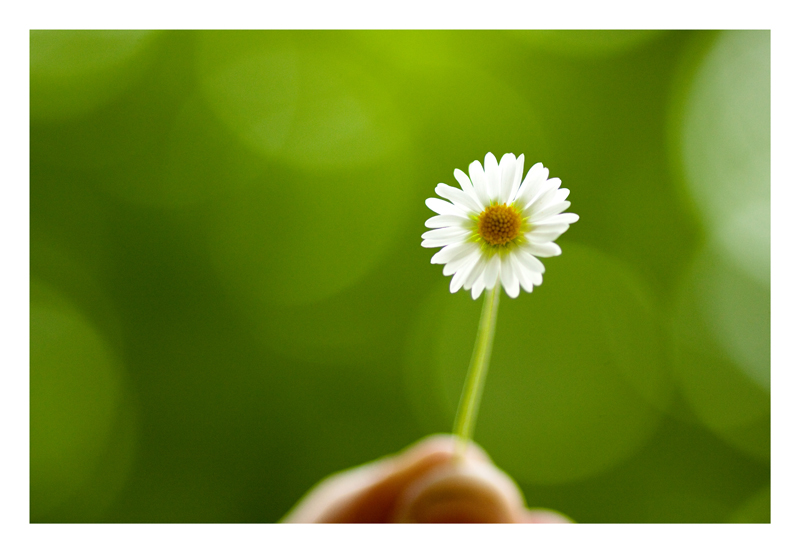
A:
(473, 386)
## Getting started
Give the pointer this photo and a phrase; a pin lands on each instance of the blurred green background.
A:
(229, 300)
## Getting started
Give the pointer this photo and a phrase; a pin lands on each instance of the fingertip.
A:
(443, 445)
(545, 516)
(470, 491)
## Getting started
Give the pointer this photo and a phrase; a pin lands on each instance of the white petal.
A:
(520, 165)
(508, 168)
(530, 187)
(466, 185)
(555, 182)
(458, 197)
(448, 232)
(444, 208)
(543, 198)
(527, 269)
(559, 218)
(547, 249)
(548, 227)
(478, 178)
(441, 221)
(546, 233)
(477, 288)
(521, 273)
(492, 172)
(439, 242)
(492, 271)
(529, 262)
(508, 278)
(473, 261)
(476, 273)
(544, 212)
(543, 236)
(463, 180)
(555, 194)
(453, 252)
(476, 279)
(453, 266)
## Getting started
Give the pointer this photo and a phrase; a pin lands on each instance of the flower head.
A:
(497, 226)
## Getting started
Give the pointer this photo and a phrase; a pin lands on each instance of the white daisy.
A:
(497, 226)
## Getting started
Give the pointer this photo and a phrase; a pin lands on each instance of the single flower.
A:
(497, 226)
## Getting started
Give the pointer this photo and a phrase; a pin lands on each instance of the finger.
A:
(369, 493)
(470, 491)
(544, 516)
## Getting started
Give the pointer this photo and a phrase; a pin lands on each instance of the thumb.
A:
(468, 490)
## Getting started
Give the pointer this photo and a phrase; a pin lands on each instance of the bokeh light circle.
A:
(256, 97)
(721, 322)
(76, 394)
(73, 72)
(722, 356)
(587, 43)
(296, 237)
(196, 162)
(335, 186)
(755, 510)
(304, 105)
(574, 386)
(725, 146)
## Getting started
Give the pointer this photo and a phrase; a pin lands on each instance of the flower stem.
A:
(473, 387)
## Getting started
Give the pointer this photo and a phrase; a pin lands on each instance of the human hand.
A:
(423, 483)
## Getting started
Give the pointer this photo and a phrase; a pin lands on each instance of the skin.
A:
(423, 483)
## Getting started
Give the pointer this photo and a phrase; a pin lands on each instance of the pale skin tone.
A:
(426, 482)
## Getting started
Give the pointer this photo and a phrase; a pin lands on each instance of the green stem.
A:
(473, 387)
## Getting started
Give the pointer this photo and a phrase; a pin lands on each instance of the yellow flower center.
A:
(499, 224)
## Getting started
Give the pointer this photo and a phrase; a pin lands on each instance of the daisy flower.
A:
(497, 226)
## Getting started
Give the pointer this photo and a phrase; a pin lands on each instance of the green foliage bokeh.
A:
(229, 300)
